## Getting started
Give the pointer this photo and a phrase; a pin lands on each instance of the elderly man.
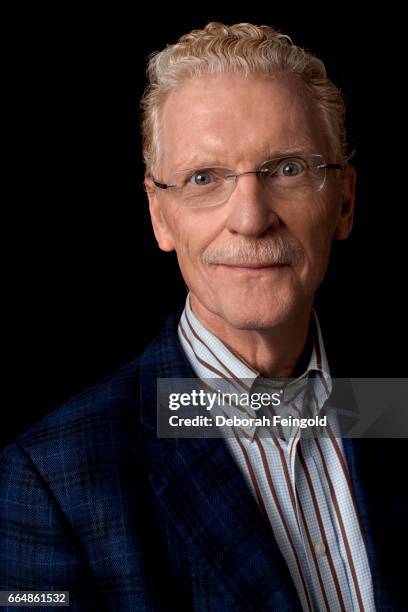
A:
(248, 181)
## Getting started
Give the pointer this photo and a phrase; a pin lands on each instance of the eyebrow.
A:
(282, 152)
(270, 153)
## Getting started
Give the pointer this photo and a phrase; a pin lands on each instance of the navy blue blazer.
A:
(92, 502)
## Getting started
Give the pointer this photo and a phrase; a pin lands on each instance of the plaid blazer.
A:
(92, 502)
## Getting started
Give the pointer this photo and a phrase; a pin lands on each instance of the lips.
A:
(258, 266)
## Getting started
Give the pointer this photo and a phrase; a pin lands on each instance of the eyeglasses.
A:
(288, 177)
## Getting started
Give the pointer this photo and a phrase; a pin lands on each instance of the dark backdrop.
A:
(89, 287)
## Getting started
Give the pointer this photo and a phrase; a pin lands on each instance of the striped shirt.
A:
(302, 485)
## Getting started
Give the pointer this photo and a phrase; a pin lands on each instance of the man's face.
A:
(223, 253)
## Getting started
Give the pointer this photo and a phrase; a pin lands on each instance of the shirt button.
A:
(320, 549)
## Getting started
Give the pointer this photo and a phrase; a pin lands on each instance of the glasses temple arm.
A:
(332, 166)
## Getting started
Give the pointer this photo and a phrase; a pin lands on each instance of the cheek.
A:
(314, 230)
(192, 231)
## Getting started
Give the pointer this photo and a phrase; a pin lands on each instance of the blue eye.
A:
(284, 168)
(201, 177)
(291, 168)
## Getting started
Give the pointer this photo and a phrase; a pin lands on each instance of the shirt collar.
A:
(210, 359)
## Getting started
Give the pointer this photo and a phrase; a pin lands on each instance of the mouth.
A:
(257, 266)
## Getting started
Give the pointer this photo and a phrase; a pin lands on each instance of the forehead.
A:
(231, 120)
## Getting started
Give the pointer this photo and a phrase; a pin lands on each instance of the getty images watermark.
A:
(245, 402)
(311, 406)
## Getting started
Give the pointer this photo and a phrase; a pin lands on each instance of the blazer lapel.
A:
(204, 494)
(355, 449)
(207, 499)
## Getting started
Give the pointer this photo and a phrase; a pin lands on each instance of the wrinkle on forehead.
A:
(232, 121)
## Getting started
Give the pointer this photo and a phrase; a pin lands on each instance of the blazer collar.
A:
(164, 358)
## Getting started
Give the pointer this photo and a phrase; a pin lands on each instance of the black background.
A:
(89, 288)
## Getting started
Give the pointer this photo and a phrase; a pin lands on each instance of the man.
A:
(248, 181)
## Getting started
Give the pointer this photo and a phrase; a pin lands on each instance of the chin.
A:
(257, 314)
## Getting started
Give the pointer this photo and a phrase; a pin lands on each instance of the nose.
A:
(251, 211)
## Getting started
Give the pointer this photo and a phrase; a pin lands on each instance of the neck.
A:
(279, 352)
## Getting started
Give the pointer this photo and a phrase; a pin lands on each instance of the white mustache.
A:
(262, 251)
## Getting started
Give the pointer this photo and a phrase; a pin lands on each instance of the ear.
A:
(347, 197)
(161, 229)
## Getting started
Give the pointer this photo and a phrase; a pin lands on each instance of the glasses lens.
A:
(291, 177)
(204, 187)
